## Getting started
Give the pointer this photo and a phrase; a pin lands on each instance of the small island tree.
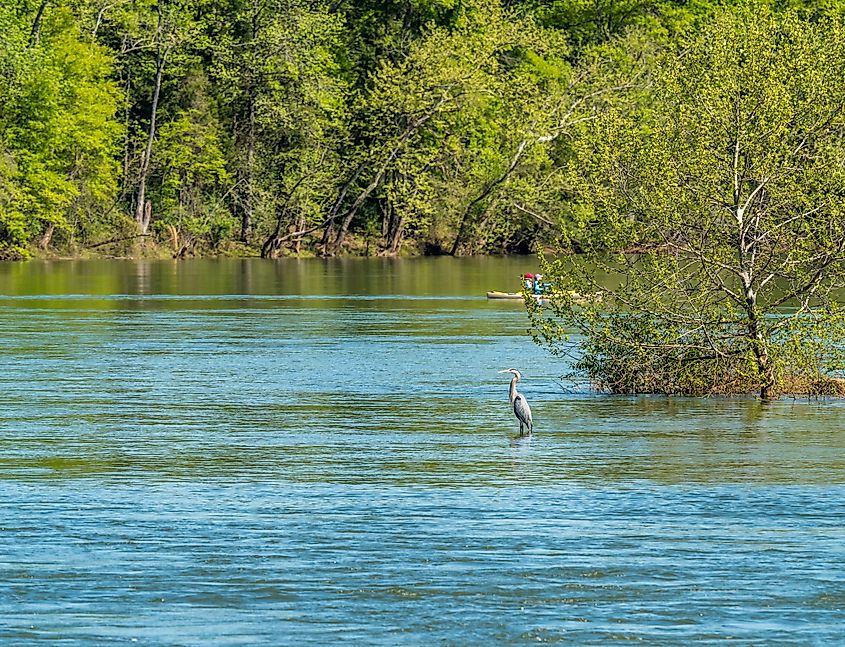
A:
(712, 219)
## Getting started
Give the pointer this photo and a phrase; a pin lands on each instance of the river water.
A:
(303, 452)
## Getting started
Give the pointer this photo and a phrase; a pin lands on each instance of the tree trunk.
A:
(328, 234)
(764, 365)
(396, 237)
(386, 219)
(271, 246)
(249, 204)
(247, 216)
(35, 34)
(146, 216)
(477, 241)
(186, 248)
(347, 221)
(247, 174)
(460, 239)
(46, 237)
(392, 226)
(127, 137)
(765, 370)
(142, 211)
(328, 231)
(297, 245)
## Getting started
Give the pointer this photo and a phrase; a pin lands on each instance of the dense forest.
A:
(278, 127)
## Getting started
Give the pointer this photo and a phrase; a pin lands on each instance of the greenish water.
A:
(248, 452)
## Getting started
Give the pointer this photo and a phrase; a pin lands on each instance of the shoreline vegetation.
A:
(298, 127)
(290, 126)
(129, 248)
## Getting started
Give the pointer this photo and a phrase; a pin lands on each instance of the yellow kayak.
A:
(540, 297)
(504, 295)
(516, 296)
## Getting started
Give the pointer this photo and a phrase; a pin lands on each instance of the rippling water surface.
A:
(242, 452)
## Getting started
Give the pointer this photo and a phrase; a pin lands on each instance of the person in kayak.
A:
(528, 281)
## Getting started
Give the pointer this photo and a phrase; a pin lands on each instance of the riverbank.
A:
(148, 247)
(132, 249)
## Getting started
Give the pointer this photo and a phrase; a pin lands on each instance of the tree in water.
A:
(722, 200)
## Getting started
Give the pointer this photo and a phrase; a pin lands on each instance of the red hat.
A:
(529, 276)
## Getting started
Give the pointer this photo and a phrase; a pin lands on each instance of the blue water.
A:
(242, 452)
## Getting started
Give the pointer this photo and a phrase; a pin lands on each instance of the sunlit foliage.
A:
(724, 197)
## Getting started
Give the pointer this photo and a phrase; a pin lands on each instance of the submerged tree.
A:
(725, 196)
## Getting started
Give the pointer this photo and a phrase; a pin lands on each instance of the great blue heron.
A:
(520, 405)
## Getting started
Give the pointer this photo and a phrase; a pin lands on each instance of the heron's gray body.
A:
(522, 412)
(520, 405)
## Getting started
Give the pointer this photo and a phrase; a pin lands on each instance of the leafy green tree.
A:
(58, 129)
(451, 128)
(157, 45)
(283, 97)
(729, 187)
(190, 172)
(590, 22)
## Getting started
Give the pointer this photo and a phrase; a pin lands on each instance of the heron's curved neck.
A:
(513, 388)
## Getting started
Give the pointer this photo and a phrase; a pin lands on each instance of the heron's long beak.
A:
(507, 370)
